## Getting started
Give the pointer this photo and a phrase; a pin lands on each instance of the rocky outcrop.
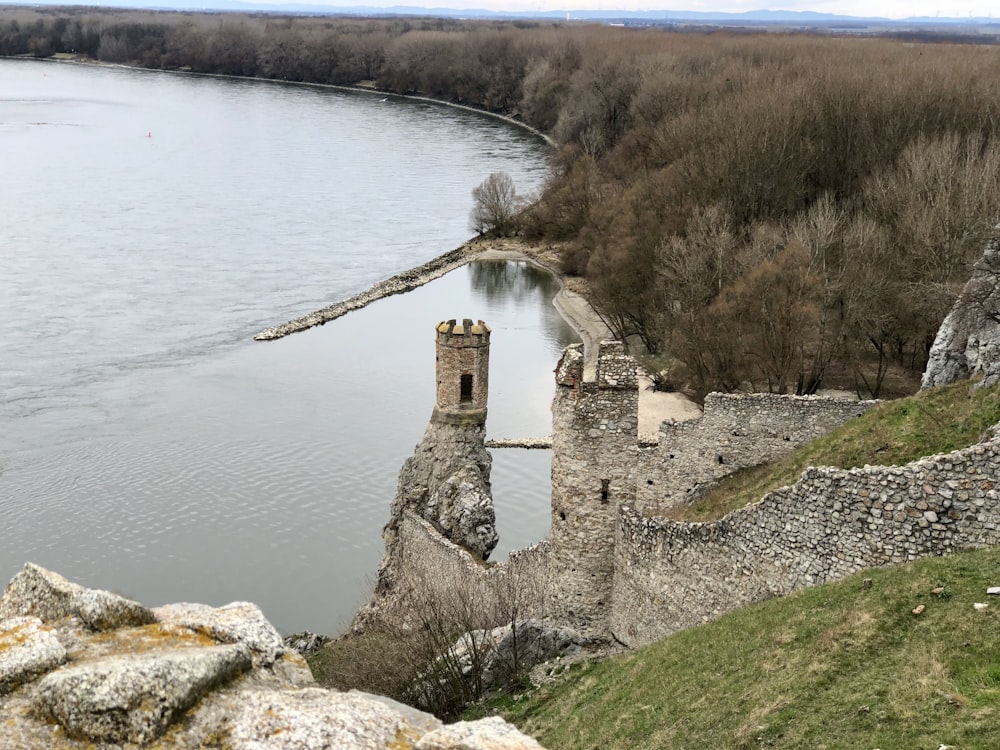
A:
(87, 669)
(447, 483)
(41, 593)
(968, 343)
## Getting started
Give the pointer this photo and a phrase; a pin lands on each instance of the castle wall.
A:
(594, 429)
(434, 561)
(671, 575)
(735, 431)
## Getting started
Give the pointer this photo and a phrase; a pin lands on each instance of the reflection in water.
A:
(519, 283)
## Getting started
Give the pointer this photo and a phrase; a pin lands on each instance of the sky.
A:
(864, 8)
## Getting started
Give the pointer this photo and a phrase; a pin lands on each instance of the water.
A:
(151, 224)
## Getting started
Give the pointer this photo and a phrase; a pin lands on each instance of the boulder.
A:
(41, 593)
(133, 698)
(239, 622)
(486, 734)
(198, 677)
(316, 718)
(504, 651)
(27, 649)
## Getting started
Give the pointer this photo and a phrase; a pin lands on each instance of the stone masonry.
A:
(594, 452)
(613, 568)
(736, 430)
(831, 523)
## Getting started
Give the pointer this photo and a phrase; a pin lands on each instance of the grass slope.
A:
(896, 432)
(836, 666)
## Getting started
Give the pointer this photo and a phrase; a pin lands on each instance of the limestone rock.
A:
(238, 622)
(171, 685)
(134, 698)
(27, 650)
(306, 642)
(462, 508)
(502, 649)
(968, 343)
(486, 734)
(41, 593)
(316, 718)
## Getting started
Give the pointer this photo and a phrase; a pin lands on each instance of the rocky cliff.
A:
(446, 482)
(83, 669)
(968, 343)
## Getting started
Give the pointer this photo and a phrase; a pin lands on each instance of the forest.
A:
(775, 211)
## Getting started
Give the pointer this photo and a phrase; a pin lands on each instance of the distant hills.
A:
(643, 17)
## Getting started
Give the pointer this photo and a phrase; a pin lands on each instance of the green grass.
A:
(896, 432)
(836, 666)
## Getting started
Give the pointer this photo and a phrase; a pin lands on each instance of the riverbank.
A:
(363, 87)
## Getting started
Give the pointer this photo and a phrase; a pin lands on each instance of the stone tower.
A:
(463, 372)
(594, 460)
(446, 482)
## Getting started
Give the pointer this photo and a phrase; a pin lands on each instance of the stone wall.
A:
(437, 564)
(594, 429)
(735, 431)
(831, 523)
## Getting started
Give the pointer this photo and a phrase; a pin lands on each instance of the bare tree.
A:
(496, 206)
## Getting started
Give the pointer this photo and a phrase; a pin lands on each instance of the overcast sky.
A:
(866, 8)
(862, 8)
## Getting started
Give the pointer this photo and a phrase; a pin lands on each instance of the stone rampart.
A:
(672, 575)
(735, 431)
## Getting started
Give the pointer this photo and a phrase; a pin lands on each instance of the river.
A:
(152, 224)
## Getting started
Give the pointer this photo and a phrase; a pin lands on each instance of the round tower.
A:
(463, 372)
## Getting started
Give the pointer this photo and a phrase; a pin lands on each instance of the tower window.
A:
(465, 395)
(605, 485)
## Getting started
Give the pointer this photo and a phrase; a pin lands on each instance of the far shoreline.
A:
(356, 88)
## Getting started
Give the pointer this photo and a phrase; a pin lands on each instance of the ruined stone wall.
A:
(735, 431)
(594, 428)
(435, 562)
(671, 575)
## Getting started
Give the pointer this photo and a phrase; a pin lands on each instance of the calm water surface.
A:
(151, 224)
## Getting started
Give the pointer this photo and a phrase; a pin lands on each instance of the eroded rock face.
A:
(239, 622)
(462, 506)
(447, 482)
(968, 343)
(180, 677)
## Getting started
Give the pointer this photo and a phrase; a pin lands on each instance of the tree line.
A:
(774, 211)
